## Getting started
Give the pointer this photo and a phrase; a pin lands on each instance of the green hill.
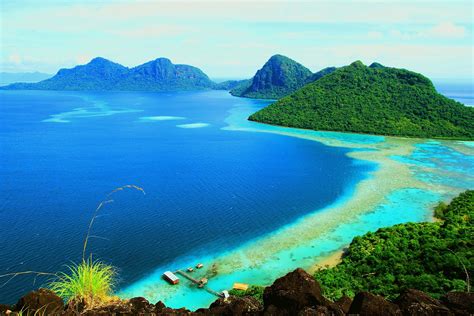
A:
(279, 76)
(373, 100)
(431, 257)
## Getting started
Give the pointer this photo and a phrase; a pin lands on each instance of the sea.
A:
(206, 190)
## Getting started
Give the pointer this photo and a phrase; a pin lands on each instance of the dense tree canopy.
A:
(431, 257)
(373, 100)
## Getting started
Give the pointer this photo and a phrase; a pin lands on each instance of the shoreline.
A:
(317, 238)
(330, 261)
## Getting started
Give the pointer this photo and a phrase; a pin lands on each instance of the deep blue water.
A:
(208, 189)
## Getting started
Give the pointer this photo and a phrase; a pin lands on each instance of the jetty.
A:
(201, 283)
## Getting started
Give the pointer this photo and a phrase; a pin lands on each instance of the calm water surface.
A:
(208, 190)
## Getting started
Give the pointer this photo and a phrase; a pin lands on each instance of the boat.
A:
(199, 265)
(190, 269)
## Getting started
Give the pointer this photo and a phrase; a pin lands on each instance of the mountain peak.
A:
(278, 77)
(100, 60)
(162, 60)
(357, 63)
(376, 65)
(279, 57)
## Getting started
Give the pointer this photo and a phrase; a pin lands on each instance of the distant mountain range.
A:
(278, 77)
(102, 74)
(12, 77)
(375, 100)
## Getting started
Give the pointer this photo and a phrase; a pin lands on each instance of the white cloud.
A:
(445, 30)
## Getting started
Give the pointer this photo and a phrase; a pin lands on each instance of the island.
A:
(278, 77)
(373, 100)
(102, 74)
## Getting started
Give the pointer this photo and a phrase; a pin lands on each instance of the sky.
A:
(232, 39)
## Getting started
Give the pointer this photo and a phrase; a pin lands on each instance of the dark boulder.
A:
(175, 312)
(367, 304)
(234, 306)
(344, 303)
(295, 291)
(413, 302)
(460, 303)
(315, 311)
(159, 306)
(140, 305)
(42, 300)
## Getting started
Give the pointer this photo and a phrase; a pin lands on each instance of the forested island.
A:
(374, 100)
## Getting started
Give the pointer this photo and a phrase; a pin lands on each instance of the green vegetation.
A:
(90, 281)
(431, 257)
(232, 84)
(279, 76)
(373, 100)
(253, 290)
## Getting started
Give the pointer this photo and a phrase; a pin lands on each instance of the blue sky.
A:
(233, 39)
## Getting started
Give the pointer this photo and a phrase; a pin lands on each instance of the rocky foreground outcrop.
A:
(296, 293)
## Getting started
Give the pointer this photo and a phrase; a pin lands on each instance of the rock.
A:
(141, 305)
(460, 303)
(236, 306)
(4, 309)
(175, 312)
(315, 311)
(116, 308)
(272, 310)
(367, 304)
(42, 300)
(414, 302)
(344, 303)
(159, 306)
(295, 291)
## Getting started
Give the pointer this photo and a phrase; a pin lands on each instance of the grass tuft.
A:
(90, 281)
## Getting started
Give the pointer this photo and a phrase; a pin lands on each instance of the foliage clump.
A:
(254, 290)
(89, 281)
